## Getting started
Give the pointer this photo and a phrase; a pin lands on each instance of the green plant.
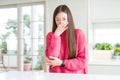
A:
(28, 59)
(3, 45)
(103, 46)
(117, 49)
(41, 52)
(117, 45)
(98, 46)
(39, 65)
(107, 46)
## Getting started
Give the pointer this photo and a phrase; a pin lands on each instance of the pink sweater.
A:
(56, 46)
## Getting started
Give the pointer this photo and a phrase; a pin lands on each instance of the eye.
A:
(64, 19)
(57, 20)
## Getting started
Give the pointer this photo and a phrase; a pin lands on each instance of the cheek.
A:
(57, 23)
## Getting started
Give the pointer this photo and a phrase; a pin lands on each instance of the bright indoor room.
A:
(24, 25)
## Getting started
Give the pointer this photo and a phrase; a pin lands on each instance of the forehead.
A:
(61, 14)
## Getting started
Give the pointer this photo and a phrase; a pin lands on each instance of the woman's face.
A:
(61, 18)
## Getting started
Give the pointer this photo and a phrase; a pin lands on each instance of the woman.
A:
(66, 50)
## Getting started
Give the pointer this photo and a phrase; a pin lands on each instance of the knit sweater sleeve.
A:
(52, 45)
(80, 61)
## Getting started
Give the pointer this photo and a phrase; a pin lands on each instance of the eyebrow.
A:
(59, 18)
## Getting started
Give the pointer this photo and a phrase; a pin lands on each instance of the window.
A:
(103, 32)
(33, 35)
(106, 32)
(8, 38)
(103, 27)
(23, 32)
(8, 29)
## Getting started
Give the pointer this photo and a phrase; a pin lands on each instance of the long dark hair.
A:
(70, 32)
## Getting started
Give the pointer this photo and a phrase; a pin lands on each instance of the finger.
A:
(65, 28)
(49, 64)
(48, 61)
(66, 24)
(62, 25)
(52, 66)
(51, 57)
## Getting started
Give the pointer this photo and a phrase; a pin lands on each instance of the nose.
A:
(61, 21)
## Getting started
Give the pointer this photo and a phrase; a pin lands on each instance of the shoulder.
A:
(80, 36)
(52, 35)
(79, 32)
(49, 34)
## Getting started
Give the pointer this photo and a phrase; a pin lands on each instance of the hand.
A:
(53, 61)
(61, 28)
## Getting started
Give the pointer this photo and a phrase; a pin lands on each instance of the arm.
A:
(53, 41)
(80, 61)
(52, 45)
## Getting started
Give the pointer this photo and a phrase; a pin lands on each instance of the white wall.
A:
(7, 2)
(103, 12)
(10, 60)
(77, 7)
(104, 69)
(102, 9)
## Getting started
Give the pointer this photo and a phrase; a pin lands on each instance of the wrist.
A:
(56, 33)
(63, 63)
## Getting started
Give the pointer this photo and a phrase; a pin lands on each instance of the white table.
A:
(17, 75)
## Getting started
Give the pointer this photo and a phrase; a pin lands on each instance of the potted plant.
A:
(27, 63)
(3, 46)
(102, 51)
(39, 65)
(40, 61)
(116, 54)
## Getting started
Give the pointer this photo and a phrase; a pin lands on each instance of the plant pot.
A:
(116, 57)
(27, 66)
(102, 54)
